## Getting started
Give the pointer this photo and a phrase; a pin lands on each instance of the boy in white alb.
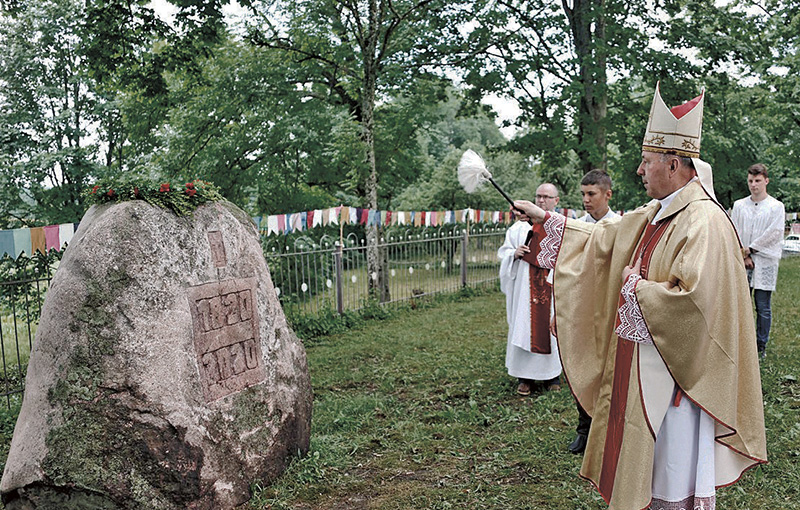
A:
(759, 221)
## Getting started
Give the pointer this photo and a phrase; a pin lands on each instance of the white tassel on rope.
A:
(472, 171)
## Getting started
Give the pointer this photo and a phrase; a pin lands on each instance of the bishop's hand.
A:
(533, 211)
(634, 269)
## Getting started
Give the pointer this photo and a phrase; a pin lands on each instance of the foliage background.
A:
(293, 105)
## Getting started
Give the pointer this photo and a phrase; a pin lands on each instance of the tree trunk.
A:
(376, 265)
(590, 48)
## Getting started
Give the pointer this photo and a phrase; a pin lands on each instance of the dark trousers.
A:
(763, 317)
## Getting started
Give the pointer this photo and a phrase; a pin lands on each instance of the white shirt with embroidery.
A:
(760, 228)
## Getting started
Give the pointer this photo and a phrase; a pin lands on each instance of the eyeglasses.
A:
(544, 197)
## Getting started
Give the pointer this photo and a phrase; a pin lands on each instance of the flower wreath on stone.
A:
(182, 199)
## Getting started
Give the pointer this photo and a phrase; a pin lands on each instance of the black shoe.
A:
(578, 445)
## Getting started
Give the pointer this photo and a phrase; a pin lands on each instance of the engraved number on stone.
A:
(226, 310)
(230, 360)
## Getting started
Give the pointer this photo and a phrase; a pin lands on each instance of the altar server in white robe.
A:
(528, 367)
(759, 220)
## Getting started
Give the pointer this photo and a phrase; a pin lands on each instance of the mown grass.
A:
(417, 411)
(17, 337)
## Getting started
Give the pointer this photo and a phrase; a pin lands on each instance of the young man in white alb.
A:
(759, 220)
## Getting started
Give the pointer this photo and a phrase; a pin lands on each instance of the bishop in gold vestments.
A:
(669, 372)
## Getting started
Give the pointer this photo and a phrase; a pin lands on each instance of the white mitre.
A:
(678, 131)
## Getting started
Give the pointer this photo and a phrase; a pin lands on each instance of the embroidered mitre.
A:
(676, 130)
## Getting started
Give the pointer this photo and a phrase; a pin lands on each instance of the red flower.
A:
(135, 191)
(191, 192)
(94, 190)
(164, 187)
(189, 185)
(110, 192)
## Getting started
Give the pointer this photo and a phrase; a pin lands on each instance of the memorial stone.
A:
(163, 373)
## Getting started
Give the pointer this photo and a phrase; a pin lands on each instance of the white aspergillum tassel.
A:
(472, 171)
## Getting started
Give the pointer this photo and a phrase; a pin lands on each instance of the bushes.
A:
(8, 419)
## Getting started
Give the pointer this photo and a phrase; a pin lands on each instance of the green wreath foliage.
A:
(182, 199)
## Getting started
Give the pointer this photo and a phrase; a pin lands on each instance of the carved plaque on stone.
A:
(218, 254)
(226, 338)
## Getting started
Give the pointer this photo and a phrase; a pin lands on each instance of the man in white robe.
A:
(759, 220)
(521, 363)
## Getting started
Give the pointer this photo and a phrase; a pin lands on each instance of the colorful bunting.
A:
(17, 241)
(54, 237)
(51, 237)
(22, 242)
(6, 241)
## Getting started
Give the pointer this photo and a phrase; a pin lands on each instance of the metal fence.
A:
(332, 273)
(23, 284)
(309, 276)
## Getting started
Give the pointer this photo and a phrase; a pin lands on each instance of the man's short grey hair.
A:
(685, 161)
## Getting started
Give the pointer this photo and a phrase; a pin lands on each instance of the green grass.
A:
(417, 411)
(17, 337)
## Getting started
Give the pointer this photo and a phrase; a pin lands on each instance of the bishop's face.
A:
(655, 174)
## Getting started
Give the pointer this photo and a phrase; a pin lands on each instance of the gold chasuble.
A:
(695, 302)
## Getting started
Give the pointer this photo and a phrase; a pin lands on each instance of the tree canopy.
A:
(302, 104)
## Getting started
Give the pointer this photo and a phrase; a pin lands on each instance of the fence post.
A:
(337, 255)
(464, 242)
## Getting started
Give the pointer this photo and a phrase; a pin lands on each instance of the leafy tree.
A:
(47, 114)
(743, 122)
(350, 53)
(460, 126)
(583, 73)
(557, 58)
(772, 109)
(84, 89)
(128, 53)
(131, 53)
(244, 125)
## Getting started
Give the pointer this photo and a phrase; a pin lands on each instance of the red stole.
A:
(541, 292)
(622, 372)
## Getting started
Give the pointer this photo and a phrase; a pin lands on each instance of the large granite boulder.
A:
(163, 373)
